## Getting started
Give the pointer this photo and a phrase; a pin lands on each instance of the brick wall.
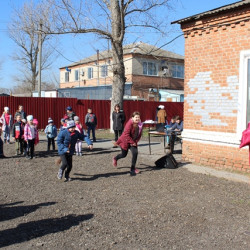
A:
(212, 59)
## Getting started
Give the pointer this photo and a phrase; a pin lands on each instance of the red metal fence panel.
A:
(43, 108)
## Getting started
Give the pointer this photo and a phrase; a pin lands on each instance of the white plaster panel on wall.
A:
(210, 97)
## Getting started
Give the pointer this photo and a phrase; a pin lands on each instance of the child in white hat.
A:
(30, 133)
(7, 121)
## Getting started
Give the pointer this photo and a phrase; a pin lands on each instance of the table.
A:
(164, 134)
(156, 133)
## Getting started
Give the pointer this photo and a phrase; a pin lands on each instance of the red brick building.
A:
(217, 86)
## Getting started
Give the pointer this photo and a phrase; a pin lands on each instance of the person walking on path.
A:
(66, 142)
(18, 135)
(7, 121)
(30, 134)
(91, 122)
(51, 133)
(129, 140)
(20, 112)
(118, 118)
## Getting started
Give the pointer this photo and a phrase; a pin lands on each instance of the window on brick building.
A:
(104, 70)
(66, 76)
(90, 73)
(150, 69)
(76, 75)
(177, 70)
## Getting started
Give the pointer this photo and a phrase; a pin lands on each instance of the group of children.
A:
(71, 134)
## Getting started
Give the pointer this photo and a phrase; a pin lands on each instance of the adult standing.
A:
(20, 112)
(7, 121)
(161, 115)
(118, 118)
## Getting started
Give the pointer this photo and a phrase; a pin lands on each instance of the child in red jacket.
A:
(128, 140)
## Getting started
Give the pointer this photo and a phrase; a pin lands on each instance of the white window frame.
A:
(147, 73)
(91, 73)
(66, 77)
(173, 69)
(76, 75)
(242, 100)
(104, 71)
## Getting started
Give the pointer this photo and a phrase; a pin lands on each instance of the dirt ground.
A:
(106, 208)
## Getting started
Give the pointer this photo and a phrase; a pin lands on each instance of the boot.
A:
(17, 152)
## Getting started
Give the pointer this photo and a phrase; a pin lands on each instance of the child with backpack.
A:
(18, 135)
(91, 122)
(51, 133)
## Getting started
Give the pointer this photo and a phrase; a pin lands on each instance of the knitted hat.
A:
(69, 108)
(6, 109)
(35, 121)
(50, 121)
(30, 118)
(76, 118)
(70, 124)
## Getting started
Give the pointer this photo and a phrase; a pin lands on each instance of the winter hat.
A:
(76, 118)
(161, 107)
(6, 109)
(69, 108)
(70, 124)
(50, 121)
(30, 118)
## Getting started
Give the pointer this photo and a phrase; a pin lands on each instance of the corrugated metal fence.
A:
(43, 108)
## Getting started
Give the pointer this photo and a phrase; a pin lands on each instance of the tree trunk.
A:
(117, 17)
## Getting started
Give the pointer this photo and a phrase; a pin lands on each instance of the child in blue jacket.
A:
(66, 142)
(51, 132)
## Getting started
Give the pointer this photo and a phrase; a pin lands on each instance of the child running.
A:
(128, 140)
(30, 135)
(66, 141)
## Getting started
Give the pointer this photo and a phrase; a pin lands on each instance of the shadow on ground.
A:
(8, 211)
(35, 229)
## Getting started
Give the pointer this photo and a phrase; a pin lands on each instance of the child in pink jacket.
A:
(30, 134)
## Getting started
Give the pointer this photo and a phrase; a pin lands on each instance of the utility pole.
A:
(40, 60)
(98, 69)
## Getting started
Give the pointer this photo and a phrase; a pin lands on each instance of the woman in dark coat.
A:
(118, 118)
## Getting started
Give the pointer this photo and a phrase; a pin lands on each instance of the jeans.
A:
(51, 141)
(1, 147)
(31, 145)
(91, 128)
(66, 164)
(123, 154)
(6, 133)
(118, 133)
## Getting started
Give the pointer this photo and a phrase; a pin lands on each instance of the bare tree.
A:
(24, 30)
(109, 19)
